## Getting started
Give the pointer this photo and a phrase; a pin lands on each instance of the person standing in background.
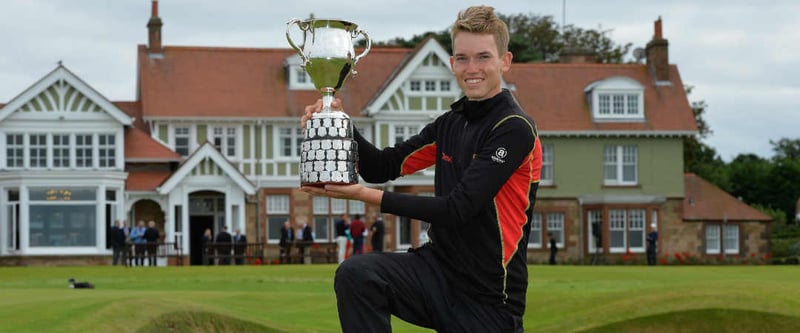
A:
(223, 243)
(377, 229)
(357, 228)
(117, 244)
(207, 240)
(652, 245)
(553, 248)
(139, 243)
(342, 227)
(240, 246)
(151, 235)
(285, 243)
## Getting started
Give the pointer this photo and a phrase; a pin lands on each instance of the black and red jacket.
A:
(488, 161)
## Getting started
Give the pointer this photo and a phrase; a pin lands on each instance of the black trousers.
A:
(372, 287)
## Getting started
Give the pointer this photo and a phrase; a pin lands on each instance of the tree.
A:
(700, 158)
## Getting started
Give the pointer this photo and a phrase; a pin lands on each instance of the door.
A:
(197, 226)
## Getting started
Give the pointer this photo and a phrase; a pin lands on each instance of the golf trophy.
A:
(328, 153)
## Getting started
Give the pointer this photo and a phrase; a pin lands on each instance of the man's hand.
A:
(350, 192)
(317, 107)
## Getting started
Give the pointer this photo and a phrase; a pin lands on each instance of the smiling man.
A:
(472, 274)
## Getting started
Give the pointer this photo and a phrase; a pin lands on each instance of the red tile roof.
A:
(554, 95)
(250, 82)
(146, 180)
(704, 201)
(244, 82)
(140, 147)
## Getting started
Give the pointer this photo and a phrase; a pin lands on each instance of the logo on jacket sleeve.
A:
(500, 155)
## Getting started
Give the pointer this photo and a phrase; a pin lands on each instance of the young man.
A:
(472, 275)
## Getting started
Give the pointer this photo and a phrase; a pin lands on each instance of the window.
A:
(626, 229)
(322, 218)
(62, 217)
(289, 139)
(430, 85)
(277, 213)
(731, 244)
(444, 85)
(636, 232)
(415, 85)
(555, 225)
(107, 150)
(357, 207)
(338, 206)
(14, 150)
(595, 227)
(38, 150)
(182, 141)
(616, 99)
(535, 237)
(403, 133)
(547, 165)
(83, 151)
(60, 150)
(712, 239)
(620, 164)
(301, 75)
(616, 227)
(224, 139)
(725, 238)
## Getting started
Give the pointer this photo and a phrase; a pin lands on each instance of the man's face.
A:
(477, 65)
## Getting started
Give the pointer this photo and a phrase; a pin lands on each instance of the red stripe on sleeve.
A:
(419, 159)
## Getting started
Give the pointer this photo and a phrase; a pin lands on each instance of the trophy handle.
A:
(366, 49)
(289, 38)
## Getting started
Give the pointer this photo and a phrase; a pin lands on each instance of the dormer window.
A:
(616, 99)
(297, 77)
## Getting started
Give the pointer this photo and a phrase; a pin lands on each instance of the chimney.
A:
(154, 47)
(657, 52)
(571, 55)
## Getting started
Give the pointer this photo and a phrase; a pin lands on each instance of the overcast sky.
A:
(743, 57)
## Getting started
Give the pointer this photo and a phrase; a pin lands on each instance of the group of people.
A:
(130, 246)
(220, 247)
(355, 231)
(300, 237)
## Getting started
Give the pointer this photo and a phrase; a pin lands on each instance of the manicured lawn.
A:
(300, 298)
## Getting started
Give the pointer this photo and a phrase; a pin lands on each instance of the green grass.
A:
(300, 298)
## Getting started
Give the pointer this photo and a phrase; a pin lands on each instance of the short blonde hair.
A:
(481, 20)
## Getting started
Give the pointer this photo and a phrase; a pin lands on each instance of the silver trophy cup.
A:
(329, 154)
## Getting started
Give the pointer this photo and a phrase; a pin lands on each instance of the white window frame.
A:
(713, 239)
(16, 160)
(178, 133)
(616, 98)
(617, 222)
(621, 160)
(278, 204)
(636, 228)
(37, 152)
(594, 215)
(402, 132)
(226, 140)
(556, 224)
(548, 170)
(86, 159)
(730, 238)
(63, 149)
(110, 148)
(294, 135)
